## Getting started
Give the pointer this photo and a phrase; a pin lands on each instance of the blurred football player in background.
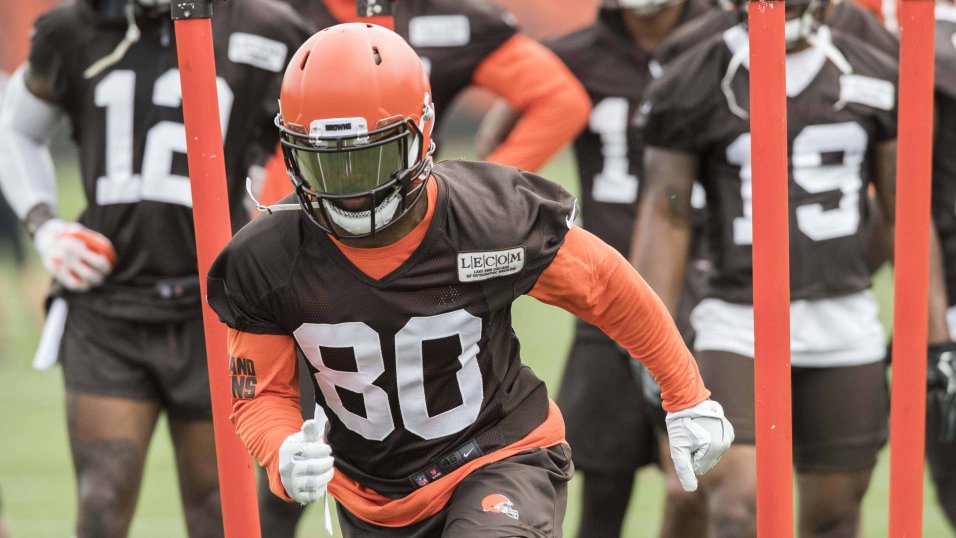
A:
(841, 137)
(847, 16)
(941, 401)
(615, 59)
(471, 43)
(395, 277)
(132, 343)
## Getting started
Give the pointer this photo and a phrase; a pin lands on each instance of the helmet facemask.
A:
(803, 18)
(353, 182)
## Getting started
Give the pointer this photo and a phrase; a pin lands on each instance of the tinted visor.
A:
(350, 172)
(353, 164)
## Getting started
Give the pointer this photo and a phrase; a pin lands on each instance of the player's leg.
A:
(112, 407)
(278, 518)
(604, 503)
(193, 442)
(108, 440)
(4, 531)
(606, 423)
(179, 367)
(730, 488)
(524, 495)
(839, 425)
(941, 455)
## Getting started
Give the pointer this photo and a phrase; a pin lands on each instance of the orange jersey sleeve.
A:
(595, 283)
(554, 106)
(265, 396)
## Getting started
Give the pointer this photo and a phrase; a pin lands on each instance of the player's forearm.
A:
(263, 424)
(662, 230)
(554, 106)
(938, 330)
(496, 125)
(265, 396)
(543, 129)
(27, 176)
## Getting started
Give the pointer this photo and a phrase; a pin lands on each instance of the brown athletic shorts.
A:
(606, 420)
(522, 496)
(163, 362)
(839, 414)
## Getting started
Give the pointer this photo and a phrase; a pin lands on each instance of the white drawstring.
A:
(735, 62)
(132, 36)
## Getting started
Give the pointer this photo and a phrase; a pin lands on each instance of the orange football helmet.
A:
(355, 120)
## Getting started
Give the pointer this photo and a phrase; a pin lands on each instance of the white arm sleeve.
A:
(26, 125)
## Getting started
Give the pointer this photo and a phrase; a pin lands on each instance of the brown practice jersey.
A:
(128, 123)
(452, 37)
(615, 72)
(835, 120)
(846, 16)
(423, 362)
(944, 158)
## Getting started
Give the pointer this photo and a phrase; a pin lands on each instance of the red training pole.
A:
(911, 262)
(771, 269)
(207, 176)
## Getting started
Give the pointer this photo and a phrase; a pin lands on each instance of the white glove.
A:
(78, 257)
(698, 437)
(305, 464)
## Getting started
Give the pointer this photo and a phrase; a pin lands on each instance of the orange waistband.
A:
(427, 501)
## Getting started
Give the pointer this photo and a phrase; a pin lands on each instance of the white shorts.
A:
(824, 333)
(951, 322)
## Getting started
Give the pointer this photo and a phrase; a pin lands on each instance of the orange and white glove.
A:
(78, 257)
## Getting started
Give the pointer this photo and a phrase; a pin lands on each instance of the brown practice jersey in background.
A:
(944, 143)
(128, 123)
(442, 320)
(846, 16)
(452, 37)
(615, 71)
(834, 124)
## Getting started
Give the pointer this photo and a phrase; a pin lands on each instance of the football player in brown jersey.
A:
(841, 137)
(394, 278)
(462, 43)
(474, 42)
(941, 410)
(125, 285)
(846, 16)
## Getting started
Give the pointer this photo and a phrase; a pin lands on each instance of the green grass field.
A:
(36, 472)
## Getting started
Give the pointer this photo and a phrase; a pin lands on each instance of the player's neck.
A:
(649, 31)
(396, 231)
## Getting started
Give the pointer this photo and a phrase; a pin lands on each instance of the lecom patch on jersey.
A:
(474, 266)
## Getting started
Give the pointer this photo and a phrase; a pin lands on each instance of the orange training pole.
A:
(911, 262)
(771, 267)
(207, 176)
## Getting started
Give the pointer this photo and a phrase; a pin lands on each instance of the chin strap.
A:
(269, 209)
(132, 36)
